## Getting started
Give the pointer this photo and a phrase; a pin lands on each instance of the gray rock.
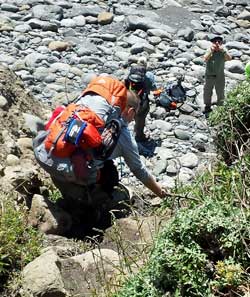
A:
(47, 12)
(3, 102)
(42, 277)
(79, 20)
(173, 167)
(23, 28)
(235, 66)
(219, 29)
(22, 177)
(235, 53)
(168, 182)
(9, 7)
(85, 10)
(200, 124)
(186, 108)
(244, 15)
(24, 144)
(187, 34)
(162, 125)
(197, 25)
(12, 160)
(159, 167)
(203, 44)
(33, 123)
(91, 264)
(133, 39)
(189, 160)
(200, 137)
(47, 217)
(140, 47)
(91, 20)
(198, 71)
(164, 153)
(154, 40)
(235, 76)
(70, 23)
(159, 33)
(155, 4)
(223, 11)
(6, 59)
(181, 134)
(134, 22)
(185, 175)
(237, 45)
(105, 37)
(34, 59)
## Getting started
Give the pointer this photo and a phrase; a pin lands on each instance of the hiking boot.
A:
(207, 111)
(142, 138)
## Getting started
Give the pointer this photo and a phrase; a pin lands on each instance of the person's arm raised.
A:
(209, 53)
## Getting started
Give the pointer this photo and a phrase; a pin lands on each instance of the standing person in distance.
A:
(141, 82)
(215, 58)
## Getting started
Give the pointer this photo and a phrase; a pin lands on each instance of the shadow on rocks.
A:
(91, 220)
(147, 148)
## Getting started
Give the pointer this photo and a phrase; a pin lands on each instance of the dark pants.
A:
(82, 202)
(109, 176)
(140, 120)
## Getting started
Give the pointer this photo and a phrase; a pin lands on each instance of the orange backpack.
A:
(77, 126)
(113, 90)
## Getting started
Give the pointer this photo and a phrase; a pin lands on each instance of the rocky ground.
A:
(53, 46)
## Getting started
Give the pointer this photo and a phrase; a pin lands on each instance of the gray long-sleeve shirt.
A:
(126, 146)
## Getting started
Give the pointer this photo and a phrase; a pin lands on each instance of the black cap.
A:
(214, 38)
(137, 73)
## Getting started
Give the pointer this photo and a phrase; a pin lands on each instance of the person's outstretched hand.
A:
(163, 193)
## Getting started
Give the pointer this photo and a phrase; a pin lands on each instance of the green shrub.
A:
(227, 274)
(232, 121)
(230, 184)
(19, 243)
(204, 249)
(187, 256)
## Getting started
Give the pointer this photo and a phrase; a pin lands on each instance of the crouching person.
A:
(80, 142)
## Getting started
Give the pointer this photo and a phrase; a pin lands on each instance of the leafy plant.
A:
(19, 243)
(54, 194)
(209, 234)
(227, 275)
(232, 122)
(187, 255)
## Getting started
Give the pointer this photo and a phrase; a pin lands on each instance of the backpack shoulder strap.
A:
(110, 136)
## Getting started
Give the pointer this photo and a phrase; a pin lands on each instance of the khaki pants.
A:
(217, 82)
